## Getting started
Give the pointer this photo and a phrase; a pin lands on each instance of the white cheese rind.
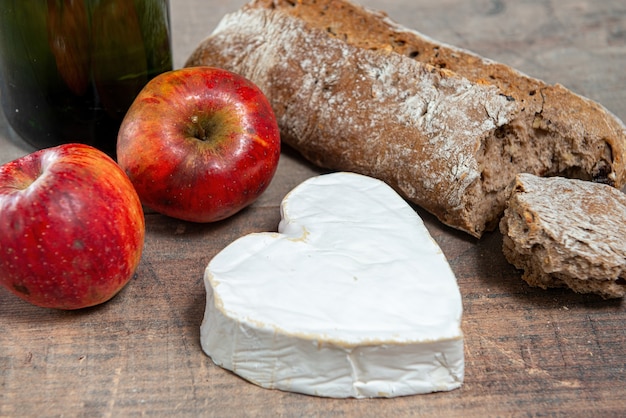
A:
(351, 298)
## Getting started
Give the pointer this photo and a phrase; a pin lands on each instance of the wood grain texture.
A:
(529, 352)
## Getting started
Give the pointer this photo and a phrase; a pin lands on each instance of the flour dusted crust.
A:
(567, 233)
(449, 130)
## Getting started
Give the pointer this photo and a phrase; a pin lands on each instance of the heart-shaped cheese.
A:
(351, 298)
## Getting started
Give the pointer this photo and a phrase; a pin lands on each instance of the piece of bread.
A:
(447, 129)
(567, 233)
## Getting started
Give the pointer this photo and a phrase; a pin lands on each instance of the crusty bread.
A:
(447, 129)
(567, 233)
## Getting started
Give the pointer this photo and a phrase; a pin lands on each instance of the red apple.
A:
(199, 143)
(71, 227)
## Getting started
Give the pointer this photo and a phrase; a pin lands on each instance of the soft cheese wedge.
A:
(351, 298)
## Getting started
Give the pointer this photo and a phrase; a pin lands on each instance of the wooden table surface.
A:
(529, 352)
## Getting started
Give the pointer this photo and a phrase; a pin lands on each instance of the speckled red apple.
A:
(199, 143)
(71, 227)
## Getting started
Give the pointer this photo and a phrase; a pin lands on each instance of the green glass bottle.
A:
(69, 69)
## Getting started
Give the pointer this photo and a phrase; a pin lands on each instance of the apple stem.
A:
(200, 131)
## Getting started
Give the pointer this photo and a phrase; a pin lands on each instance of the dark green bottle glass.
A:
(69, 69)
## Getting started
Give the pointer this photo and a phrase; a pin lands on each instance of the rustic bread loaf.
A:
(447, 129)
(567, 233)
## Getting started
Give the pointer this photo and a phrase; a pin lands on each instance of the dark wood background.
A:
(529, 352)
